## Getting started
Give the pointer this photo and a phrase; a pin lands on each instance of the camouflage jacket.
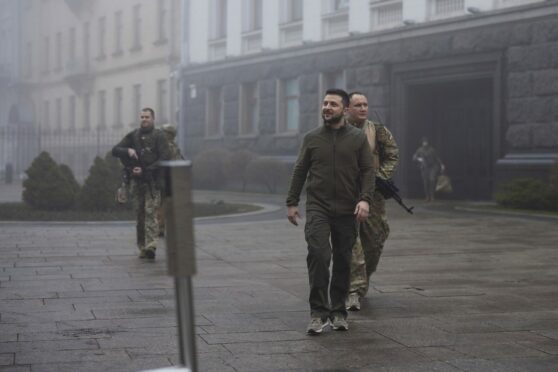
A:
(175, 151)
(385, 152)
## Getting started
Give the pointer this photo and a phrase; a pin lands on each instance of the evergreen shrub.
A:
(208, 168)
(49, 186)
(236, 166)
(528, 193)
(268, 172)
(99, 188)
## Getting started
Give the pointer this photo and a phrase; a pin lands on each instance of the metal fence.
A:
(76, 148)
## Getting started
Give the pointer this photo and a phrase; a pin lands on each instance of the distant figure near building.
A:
(140, 150)
(170, 133)
(430, 167)
(336, 162)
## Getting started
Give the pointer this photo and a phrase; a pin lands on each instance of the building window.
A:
(337, 5)
(219, 12)
(292, 11)
(215, 112)
(101, 109)
(46, 116)
(118, 108)
(386, 14)
(252, 15)
(136, 103)
(102, 36)
(87, 111)
(333, 80)
(136, 42)
(252, 26)
(335, 20)
(29, 60)
(446, 8)
(72, 113)
(290, 29)
(58, 52)
(288, 110)
(161, 22)
(86, 43)
(218, 30)
(162, 100)
(249, 108)
(58, 124)
(46, 54)
(118, 28)
(72, 44)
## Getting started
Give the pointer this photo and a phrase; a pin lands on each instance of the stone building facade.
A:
(482, 86)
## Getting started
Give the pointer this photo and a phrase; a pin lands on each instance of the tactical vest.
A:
(145, 145)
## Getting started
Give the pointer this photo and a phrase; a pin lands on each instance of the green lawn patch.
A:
(22, 212)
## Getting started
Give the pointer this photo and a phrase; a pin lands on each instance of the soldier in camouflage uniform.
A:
(140, 150)
(430, 167)
(374, 231)
(170, 133)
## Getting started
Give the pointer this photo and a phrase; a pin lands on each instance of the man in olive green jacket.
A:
(375, 230)
(336, 161)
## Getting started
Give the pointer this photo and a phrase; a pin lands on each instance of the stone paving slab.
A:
(454, 292)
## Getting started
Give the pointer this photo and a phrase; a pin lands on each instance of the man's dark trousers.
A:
(343, 232)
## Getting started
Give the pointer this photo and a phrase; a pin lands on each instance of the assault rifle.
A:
(388, 190)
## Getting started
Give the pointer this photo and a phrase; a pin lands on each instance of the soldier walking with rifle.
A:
(374, 230)
(140, 151)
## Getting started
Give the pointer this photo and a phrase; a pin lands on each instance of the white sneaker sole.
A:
(314, 332)
(342, 328)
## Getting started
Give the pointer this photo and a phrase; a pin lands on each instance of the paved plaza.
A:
(455, 291)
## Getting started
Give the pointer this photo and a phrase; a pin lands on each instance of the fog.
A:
(474, 78)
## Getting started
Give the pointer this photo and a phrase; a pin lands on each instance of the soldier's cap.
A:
(169, 128)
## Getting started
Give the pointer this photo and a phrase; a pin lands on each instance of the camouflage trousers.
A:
(146, 201)
(161, 218)
(369, 246)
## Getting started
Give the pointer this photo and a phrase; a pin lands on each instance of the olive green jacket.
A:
(384, 148)
(337, 166)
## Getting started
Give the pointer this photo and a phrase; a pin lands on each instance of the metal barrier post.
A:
(181, 262)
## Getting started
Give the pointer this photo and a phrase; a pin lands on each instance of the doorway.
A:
(457, 118)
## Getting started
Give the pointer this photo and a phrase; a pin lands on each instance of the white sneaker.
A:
(353, 302)
(316, 326)
(339, 323)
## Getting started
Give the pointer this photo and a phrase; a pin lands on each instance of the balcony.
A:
(78, 76)
(217, 49)
(386, 15)
(440, 9)
(290, 34)
(336, 24)
(252, 42)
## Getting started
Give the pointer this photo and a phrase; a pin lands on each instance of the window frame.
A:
(215, 112)
(248, 92)
(283, 100)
